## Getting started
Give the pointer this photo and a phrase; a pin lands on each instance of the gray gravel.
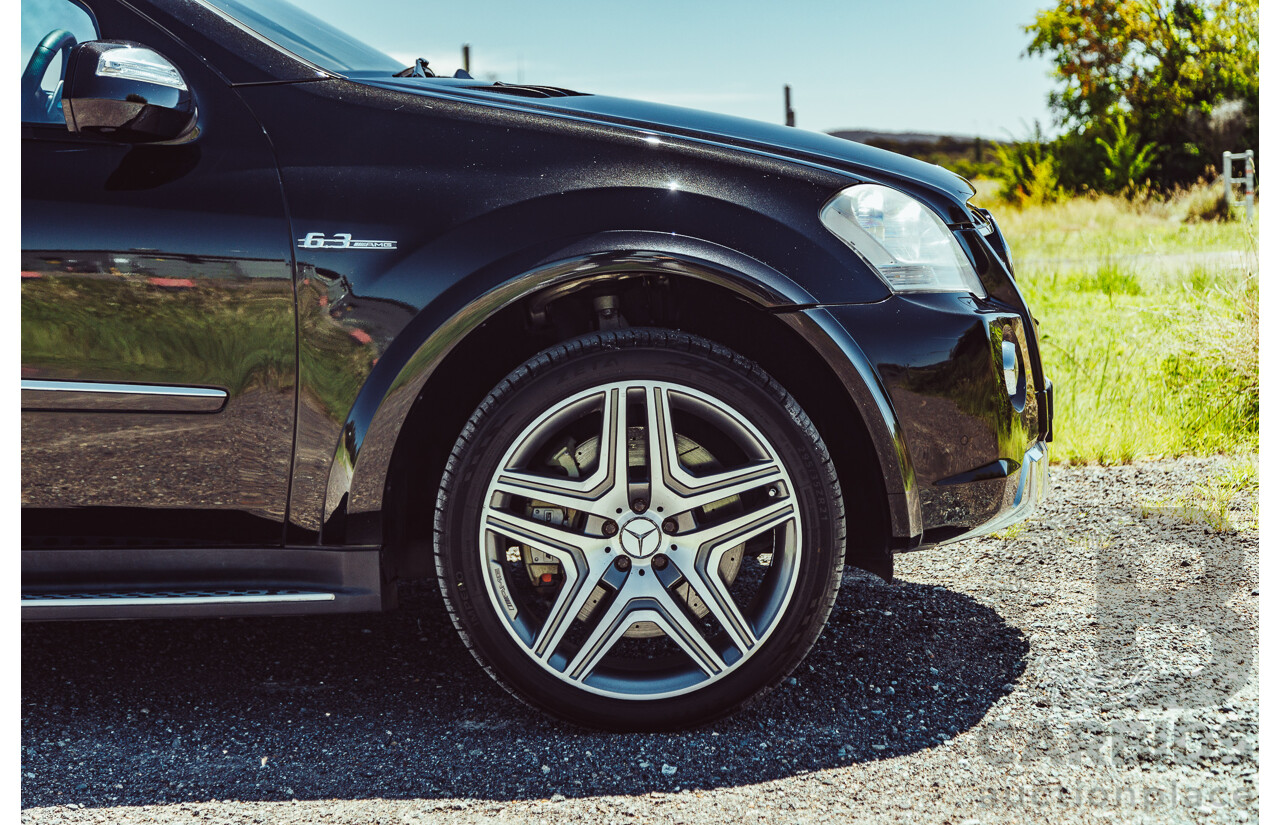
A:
(1100, 665)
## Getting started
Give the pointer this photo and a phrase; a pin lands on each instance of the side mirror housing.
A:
(127, 92)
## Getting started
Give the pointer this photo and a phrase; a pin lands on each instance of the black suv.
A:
(634, 382)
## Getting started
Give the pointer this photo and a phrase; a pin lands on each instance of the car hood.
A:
(753, 135)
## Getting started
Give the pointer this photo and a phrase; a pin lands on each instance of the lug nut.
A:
(670, 526)
(640, 505)
(659, 562)
(611, 528)
(622, 563)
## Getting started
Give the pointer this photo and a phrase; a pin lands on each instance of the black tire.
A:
(708, 410)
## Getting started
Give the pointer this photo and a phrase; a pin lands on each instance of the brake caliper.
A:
(544, 571)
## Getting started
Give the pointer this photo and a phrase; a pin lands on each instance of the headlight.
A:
(903, 240)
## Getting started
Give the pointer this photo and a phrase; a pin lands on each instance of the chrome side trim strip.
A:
(96, 396)
(137, 599)
(133, 389)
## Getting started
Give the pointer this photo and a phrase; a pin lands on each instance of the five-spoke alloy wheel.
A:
(639, 530)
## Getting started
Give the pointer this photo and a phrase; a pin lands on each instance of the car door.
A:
(158, 327)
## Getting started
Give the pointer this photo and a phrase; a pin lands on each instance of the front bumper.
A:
(963, 435)
(1033, 481)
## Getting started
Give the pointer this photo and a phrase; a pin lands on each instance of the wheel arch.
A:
(453, 362)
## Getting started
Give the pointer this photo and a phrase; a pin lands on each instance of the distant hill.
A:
(869, 135)
(969, 156)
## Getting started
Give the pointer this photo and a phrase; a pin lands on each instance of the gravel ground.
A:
(1101, 665)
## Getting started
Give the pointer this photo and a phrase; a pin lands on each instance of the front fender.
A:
(360, 466)
(861, 381)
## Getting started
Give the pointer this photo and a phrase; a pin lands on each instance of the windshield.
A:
(307, 36)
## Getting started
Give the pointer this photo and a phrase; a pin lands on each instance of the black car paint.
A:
(491, 197)
(121, 243)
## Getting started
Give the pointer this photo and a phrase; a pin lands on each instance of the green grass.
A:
(1225, 502)
(1148, 325)
(1011, 532)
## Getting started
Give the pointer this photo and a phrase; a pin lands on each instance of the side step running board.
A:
(154, 583)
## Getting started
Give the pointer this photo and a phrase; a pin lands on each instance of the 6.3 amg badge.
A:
(341, 240)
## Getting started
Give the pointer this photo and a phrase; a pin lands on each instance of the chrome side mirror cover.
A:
(125, 91)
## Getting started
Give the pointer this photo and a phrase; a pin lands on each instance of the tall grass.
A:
(1148, 325)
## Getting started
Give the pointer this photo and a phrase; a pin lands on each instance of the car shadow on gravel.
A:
(393, 706)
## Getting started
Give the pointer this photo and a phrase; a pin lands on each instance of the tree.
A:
(1184, 74)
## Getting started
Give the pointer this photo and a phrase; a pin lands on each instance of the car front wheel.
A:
(639, 530)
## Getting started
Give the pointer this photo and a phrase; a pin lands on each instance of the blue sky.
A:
(909, 65)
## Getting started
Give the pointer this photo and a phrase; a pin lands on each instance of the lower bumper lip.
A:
(1033, 480)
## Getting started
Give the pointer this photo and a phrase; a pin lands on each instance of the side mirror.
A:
(127, 92)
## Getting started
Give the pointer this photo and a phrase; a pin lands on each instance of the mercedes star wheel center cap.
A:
(640, 538)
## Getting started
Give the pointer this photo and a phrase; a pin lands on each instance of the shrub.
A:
(1029, 172)
(1128, 159)
(1205, 201)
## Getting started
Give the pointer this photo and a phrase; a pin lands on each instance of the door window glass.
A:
(49, 29)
